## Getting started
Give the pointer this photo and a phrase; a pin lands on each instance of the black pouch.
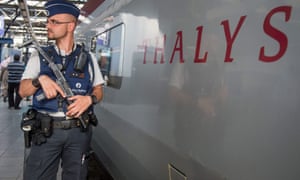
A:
(93, 119)
(45, 124)
(43, 130)
(38, 137)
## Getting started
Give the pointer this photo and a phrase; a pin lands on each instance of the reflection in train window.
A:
(108, 48)
(104, 62)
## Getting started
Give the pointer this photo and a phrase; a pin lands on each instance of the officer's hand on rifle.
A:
(79, 105)
(50, 87)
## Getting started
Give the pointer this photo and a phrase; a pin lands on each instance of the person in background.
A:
(3, 77)
(15, 70)
(67, 139)
(4, 84)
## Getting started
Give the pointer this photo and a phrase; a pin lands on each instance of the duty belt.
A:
(62, 123)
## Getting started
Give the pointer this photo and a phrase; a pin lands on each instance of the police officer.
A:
(66, 141)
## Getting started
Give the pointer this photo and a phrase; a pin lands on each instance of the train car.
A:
(197, 90)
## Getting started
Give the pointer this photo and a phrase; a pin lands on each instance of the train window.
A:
(108, 49)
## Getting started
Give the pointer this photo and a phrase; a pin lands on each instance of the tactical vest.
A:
(79, 81)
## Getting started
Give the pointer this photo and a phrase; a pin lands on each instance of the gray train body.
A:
(197, 90)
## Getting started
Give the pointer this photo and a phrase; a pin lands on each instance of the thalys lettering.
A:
(201, 57)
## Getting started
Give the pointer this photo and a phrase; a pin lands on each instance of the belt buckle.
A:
(66, 124)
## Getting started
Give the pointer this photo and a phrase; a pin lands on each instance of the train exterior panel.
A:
(198, 89)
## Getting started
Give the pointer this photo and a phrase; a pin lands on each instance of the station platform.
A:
(11, 142)
(12, 146)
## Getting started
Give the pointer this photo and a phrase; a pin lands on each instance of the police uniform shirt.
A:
(32, 70)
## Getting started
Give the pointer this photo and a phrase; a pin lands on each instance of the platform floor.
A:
(12, 146)
(11, 142)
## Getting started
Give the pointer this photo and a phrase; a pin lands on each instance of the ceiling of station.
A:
(14, 23)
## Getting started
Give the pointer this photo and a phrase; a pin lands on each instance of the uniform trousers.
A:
(70, 145)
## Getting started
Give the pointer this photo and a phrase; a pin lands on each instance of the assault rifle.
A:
(61, 81)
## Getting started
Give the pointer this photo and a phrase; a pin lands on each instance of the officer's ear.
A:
(72, 26)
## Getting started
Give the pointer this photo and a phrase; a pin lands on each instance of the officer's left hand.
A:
(78, 106)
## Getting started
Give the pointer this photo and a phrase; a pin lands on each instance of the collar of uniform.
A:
(62, 52)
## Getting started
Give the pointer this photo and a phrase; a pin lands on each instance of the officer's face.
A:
(60, 26)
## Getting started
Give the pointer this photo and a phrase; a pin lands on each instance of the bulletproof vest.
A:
(79, 81)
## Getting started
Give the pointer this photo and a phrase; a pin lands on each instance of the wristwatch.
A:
(94, 99)
(36, 83)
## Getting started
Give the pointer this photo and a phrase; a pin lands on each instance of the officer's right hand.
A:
(50, 87)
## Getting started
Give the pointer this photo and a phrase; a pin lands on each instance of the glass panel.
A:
(108, 49)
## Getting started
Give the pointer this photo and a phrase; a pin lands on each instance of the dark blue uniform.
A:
(70, 145)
